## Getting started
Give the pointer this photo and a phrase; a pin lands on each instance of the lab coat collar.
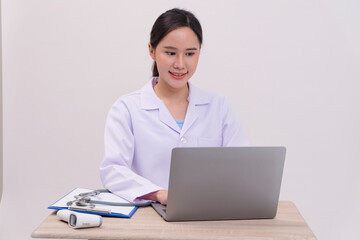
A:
(150, 101)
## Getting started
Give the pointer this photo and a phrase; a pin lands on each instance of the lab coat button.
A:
(183, 140)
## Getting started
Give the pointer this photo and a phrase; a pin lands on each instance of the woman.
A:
(143, 127)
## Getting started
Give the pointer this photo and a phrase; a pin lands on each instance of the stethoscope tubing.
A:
(130, 204)
(87, 195)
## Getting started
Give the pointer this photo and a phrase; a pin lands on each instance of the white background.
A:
(291, 70)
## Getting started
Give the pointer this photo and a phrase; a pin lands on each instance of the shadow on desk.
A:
(147, 224)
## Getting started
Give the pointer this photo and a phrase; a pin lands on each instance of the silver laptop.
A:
(219, 183)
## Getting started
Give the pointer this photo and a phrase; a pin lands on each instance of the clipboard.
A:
(100, 209)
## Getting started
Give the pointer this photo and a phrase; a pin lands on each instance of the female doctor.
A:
(144, 126)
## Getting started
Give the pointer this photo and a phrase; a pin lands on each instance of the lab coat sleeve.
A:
(115, 170)
(233, 133)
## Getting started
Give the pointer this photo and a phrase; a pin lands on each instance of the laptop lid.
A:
(218, 183)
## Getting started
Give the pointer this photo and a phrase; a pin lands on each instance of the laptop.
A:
(223, 183)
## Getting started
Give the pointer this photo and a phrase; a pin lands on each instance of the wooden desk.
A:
(147, 224)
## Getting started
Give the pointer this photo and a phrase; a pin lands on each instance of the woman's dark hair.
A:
(169, 21)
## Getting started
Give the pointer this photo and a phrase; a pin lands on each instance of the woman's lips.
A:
(177, 75)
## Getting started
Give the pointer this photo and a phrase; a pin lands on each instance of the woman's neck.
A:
(176, 100)
(169, 94)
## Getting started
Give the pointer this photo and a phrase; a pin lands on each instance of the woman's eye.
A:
(189, 54)
(170, 53)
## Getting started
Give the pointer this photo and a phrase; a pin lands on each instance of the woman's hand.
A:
(161, 196)
(158, 196)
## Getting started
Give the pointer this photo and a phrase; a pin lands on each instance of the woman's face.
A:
(176, 56)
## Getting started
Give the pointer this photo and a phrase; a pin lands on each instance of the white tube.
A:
(64, 214)
(80, 220)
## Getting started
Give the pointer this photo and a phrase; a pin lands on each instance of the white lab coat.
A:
(140, 134)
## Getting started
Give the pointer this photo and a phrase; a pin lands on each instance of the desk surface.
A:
(147, 224)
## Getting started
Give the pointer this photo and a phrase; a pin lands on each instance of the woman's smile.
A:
(177, 75)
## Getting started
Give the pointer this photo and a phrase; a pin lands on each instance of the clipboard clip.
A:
(89, 209)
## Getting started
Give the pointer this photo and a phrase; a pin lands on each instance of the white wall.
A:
(290, 68)
(1, 117)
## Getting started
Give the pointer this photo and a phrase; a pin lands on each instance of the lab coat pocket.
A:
(209, 142)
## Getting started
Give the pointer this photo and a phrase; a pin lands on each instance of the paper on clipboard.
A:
(100, 209)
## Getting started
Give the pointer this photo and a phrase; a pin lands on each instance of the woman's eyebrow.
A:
(194, 49)
(174, 48)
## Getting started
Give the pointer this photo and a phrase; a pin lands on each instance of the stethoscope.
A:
(84, 200)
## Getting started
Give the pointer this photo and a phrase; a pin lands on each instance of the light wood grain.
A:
(146, 224)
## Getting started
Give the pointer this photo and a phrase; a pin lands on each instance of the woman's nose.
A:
(179, 62)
